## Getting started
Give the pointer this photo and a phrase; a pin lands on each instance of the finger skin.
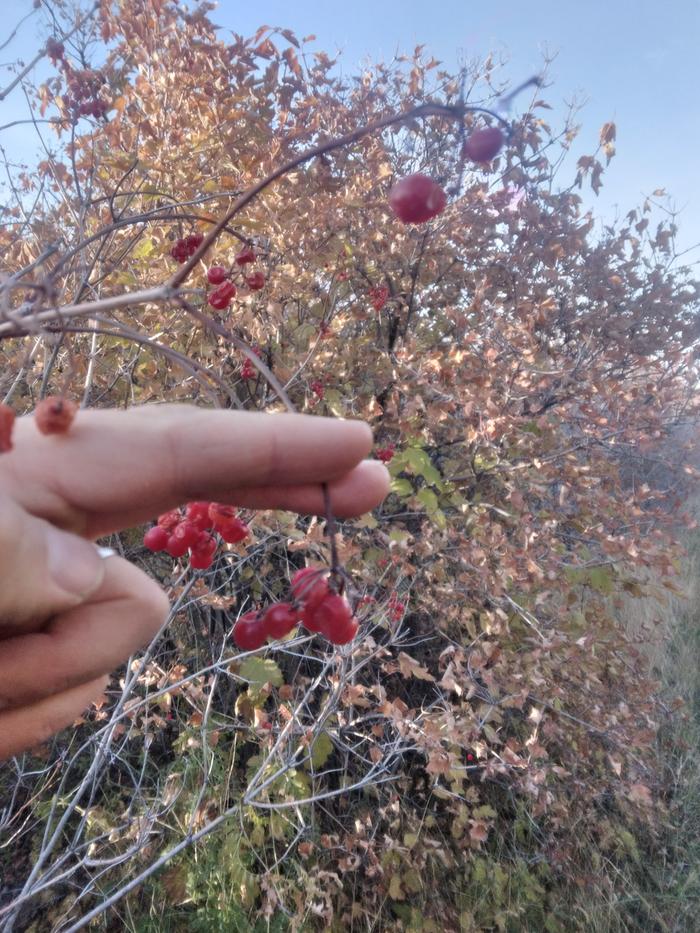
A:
(115, 469)
(85, 642)
(21, 729)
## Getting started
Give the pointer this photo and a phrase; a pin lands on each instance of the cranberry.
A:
(255, 281)
(483, 145)
(216, 275)
(417, 198)
(309, 587)
(156, 538)
(221, 297)
(245, 256)
(280, 619)
(249, 632)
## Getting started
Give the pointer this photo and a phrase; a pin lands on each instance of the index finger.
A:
(136, 463)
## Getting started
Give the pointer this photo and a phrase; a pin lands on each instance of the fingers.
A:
(358, 492)
(44, 570)
(21, 729)
(84, 642)
(125, 467)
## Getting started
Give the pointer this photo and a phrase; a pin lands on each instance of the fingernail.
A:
(73, 563)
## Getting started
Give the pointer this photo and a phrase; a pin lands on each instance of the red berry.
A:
(246, 255)
(156, 538)
(202, 552)
(248, 371)
(55, 414)
(7, 421)
(333, 616)
(176, 547)
(216, 275)
(483, 145)
(385, 454)
(417, 198)
(197, 514)
(309, 587)
(168, 520)
(234, 531)
(220, 514)
(379, 295)
(249, 632)
(308, 619)
(199, 560)
(187, 533)
(193, 242)
(317, 388)
(255, 281)
(180, 252)
(221, 297)
(343, 634)
(280, 619)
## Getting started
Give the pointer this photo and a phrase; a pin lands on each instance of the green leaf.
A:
(144, 248)
(334, 401)
(395, 889)
(420, 463)
(321, 750)
(259, 671)
(401, 487)
(428, 498)
(600, 579)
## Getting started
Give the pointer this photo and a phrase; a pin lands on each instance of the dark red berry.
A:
(309, 586)
(483, 145)
(245, 256)
(234, 531)
(169, 520)
(221, 297)
(197, 514)
(280, 619)
(220, 514)
(7, 421)
(343, 634)
(248, 632)
(255, 281)
(417, 198)
(156, 538)
(193, 242)
(216, 275)
(248, 370)
(203, 551)
(180, 251)
(379, 295)
(385, 454)
(176, 547)
(55, 414)
(333, 617)
(187, 533)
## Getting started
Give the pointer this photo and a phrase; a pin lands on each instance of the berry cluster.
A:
(396, 607)
(248, 370)
(313, 603)
(385, 454)
(221, 296)
(82, 98)
(379, 296)
(195, 531)
(317, 388)
(186, 247)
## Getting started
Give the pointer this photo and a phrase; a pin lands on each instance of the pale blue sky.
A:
(637, 63)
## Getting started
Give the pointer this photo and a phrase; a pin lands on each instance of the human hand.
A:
(69, 617)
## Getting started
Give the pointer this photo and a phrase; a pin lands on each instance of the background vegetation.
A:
(511, 742)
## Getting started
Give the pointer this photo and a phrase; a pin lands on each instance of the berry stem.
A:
(331, 531)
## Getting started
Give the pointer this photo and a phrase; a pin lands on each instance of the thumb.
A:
(44, 570)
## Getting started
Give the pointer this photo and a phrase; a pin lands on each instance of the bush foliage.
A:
(486, 756)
